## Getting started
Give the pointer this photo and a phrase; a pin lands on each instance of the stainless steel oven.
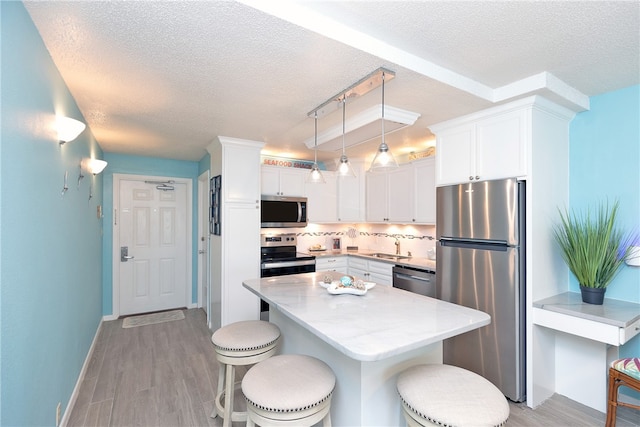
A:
(279, 257)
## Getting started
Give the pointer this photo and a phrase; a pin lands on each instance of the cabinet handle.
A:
(470, 177)
(477, 177)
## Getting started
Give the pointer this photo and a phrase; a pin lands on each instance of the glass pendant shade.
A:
(315, 176)
(344, 168)
(383, 159)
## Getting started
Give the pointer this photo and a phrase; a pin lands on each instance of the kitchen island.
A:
(367, 340)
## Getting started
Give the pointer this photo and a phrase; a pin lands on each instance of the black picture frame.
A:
(214, 220)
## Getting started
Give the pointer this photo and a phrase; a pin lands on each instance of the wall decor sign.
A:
(215, 190)
(289, 163)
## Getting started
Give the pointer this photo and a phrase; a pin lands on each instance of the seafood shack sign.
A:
(288, 163)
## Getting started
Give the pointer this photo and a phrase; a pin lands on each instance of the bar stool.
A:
(289, 390)
(623, 372)
(238, 344)
(446, 395)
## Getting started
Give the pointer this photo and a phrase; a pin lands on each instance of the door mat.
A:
(152, 319)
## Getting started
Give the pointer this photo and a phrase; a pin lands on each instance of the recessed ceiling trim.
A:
(364, 127)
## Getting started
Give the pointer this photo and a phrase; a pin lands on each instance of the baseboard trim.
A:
(109, 317)
(83, 372)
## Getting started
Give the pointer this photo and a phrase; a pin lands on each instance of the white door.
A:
(152, 226)
(203, 242)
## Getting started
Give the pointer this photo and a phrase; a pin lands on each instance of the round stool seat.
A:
(290, 388)
(237, 344)
(246, 337)
(450, 396)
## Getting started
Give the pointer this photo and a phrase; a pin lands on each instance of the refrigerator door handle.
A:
(490, 245)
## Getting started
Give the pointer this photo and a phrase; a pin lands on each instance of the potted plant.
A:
(593, 247)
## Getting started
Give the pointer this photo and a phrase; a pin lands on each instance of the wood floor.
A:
(166, 375)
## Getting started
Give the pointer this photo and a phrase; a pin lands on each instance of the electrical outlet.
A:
(58, 411)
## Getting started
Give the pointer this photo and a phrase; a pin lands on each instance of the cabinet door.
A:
(424, 193)
(240, 184)
(292, 182)
(322, 203)
(400, 200)
(270, 181)
(377, 197)
(380, 273)
(500, 146)
(282, 181)
(351, 197)
(241, 223)
(455, 159)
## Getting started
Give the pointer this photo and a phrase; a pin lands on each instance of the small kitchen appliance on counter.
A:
(480, 248)
(279, 257)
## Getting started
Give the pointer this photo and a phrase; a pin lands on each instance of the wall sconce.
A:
(94, 166)
(68, 129)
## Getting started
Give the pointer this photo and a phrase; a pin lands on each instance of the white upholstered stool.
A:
(289, 390)
(446, 395)
(238, 344)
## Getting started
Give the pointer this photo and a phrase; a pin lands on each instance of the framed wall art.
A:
(214, 220)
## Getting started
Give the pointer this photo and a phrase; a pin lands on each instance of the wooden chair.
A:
(623, 372)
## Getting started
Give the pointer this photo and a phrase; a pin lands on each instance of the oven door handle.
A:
(266, 265)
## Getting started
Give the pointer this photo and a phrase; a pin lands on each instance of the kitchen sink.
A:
(389, 256)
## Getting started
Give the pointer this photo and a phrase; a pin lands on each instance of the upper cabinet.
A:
(278, 181)
(390, 196)
(475, 148)
(424, 191)
(351, 197)
(322, 202)
(405, 195)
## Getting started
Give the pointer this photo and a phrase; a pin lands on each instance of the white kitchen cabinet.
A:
(332, 263)
(235, 253)
(480, 148)
(322, 199)
(371, 271)
(390, 196)
(277, 181)
(424, 191)
(351, 195)
(377, 195)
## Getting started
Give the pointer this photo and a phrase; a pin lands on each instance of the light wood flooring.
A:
(166, 375)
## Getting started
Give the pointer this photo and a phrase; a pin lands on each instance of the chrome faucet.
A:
(397, 246)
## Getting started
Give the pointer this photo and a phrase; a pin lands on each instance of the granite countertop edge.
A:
(612, 312)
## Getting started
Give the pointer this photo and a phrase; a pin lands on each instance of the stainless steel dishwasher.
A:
(417, 280)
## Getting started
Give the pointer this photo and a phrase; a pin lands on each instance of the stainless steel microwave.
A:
(283, 212)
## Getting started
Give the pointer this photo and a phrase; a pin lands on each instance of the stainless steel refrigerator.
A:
(481, 264)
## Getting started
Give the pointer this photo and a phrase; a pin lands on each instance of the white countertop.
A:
(385, 322)
(613, 312)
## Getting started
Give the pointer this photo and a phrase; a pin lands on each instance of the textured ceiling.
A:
(165, 78)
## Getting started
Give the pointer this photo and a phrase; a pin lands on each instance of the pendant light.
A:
(315, 176)
(344, 168)
(384, 159)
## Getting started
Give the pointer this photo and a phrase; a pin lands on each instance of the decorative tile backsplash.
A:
(417, 239)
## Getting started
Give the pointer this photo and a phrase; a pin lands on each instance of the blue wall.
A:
(137, 165)
(604, 163)
(51, 247)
